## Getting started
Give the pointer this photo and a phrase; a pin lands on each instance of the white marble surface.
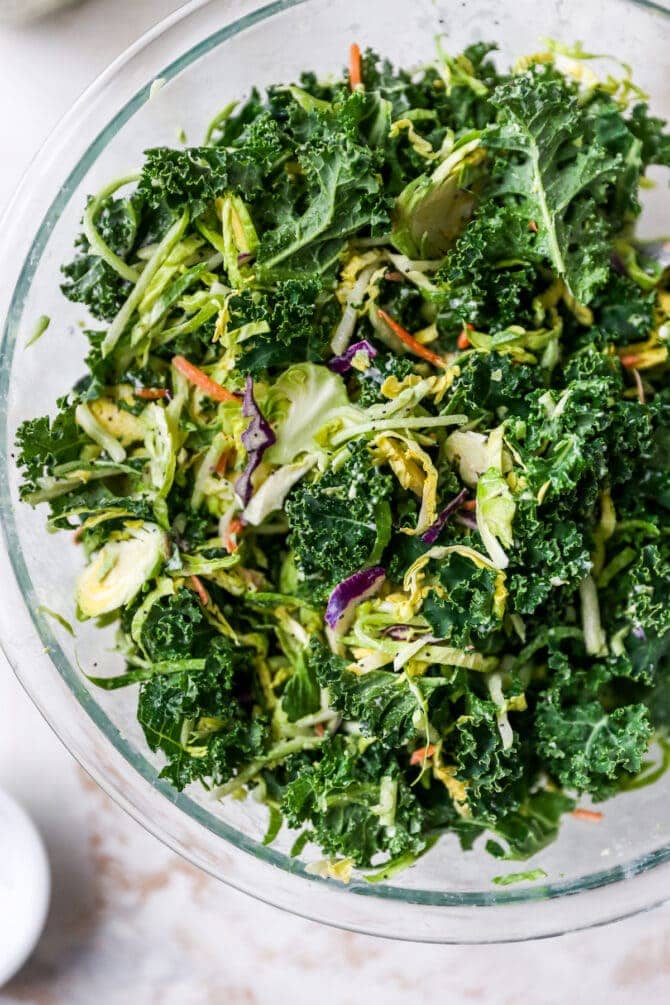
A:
(130, 922)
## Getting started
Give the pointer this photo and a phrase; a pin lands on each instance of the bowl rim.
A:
(11, 557)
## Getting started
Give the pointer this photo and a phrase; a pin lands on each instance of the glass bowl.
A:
(594, 873)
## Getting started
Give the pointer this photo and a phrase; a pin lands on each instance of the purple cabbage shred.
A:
(257, 437)
(350, 592)
(435, 529)
(342, 364)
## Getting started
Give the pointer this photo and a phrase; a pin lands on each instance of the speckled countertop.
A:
(130, 922)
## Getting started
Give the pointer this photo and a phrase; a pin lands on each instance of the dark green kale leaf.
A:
(481, 759)
(44, 443)
(176, 628)
(344, 194)
(594, 435)
(462, 105)
(587, 748)
(199, 718)
(290, 308)
(547, 161)
(90, 280)
(191, 179)
(388, 705)
(623, 313)
(652, 134)
(301, 314)
(549, 550)
(461, 610)
(356, 803)
(492, 274)
(334, 521)
(637, 599)
(489, 386)
(530, 827)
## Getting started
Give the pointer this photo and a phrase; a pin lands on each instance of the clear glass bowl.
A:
(594, 873)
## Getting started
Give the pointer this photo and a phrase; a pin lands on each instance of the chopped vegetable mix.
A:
(372, 459)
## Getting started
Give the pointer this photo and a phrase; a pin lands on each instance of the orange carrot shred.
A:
(469, 504)
(196, 376)
(593, 816)
(422, 754)
(319, 729)
(151, 393)
(394, 277)
(463, 342)
(629, 361)
(355, 77)
(234, 527)
(222, 464)
(533, 226)
(411, 342)
(197, 585)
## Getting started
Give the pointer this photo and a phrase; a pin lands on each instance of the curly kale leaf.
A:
(651, 133)
(289, 308)
(44, 443)
(529, 828)
(636, 600)
(462, 105)
(198, 720)
(334, 521)
(481, 759)
(176, 627)
(370, 381)
(461, 609)
(191, 179)
(389, 706)
(90, 280)
(344, 194)
(623, 313)
(489, 386)
(547, 161)
(356, 803)
(587, 748)
(491, 275)
(594, 435)
(549, 550)
(300, 314)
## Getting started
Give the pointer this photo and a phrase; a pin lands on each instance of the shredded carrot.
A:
(394, 277)
(222, 464)
(319, 729)
(411, 342)
(629, 361)
(533, 226)
(151, 393)
(197, 585)
(463, 341)
(196, 376)
(422, 754)
(234, 527)
(355, 77)
(591, 815)
(469, 504)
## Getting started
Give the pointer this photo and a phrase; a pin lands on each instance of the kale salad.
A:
(371, 462)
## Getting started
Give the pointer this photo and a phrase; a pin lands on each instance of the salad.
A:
(371, 462)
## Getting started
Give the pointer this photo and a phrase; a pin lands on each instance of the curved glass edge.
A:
(12, 557)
